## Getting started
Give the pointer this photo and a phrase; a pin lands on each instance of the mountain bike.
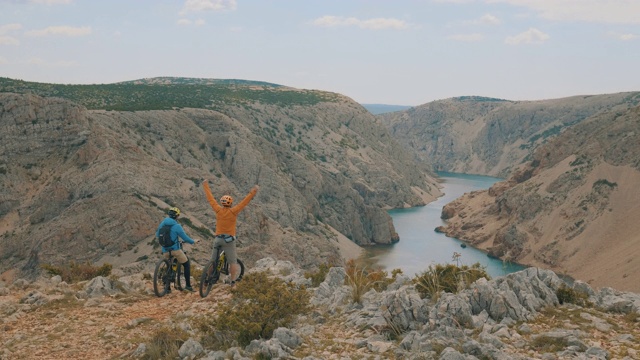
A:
(215, 267)
(168, 271)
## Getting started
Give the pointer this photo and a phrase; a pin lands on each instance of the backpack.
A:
(164, 237)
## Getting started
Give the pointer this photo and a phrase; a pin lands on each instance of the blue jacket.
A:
(176, 231)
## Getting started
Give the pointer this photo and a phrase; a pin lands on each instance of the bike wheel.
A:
(161, 283)
(227, 271)
(241, 270)
(181, 281)
(210, 276)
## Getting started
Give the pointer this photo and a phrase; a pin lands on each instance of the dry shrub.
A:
(260, 304)
(361, 279)
(74, 272)
(448, 278)
(318, 276)
(548, 344)
(569, 295)
(165, 343)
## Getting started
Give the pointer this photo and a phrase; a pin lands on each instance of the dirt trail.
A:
(97, 329)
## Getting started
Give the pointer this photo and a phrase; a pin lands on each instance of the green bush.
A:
(318, 276)
(548, 344)
(448, 278)
(73, 272)
(569, 295)
(260, 304)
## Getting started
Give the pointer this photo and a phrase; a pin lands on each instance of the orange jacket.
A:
(226, 216)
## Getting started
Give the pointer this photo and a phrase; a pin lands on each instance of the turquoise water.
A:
(420, 246)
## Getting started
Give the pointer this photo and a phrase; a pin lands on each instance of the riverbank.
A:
(420, 245)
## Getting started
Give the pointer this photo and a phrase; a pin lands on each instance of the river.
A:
(420, 246)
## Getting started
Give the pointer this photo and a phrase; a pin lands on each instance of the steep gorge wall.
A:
(573, 208)
(492, 136)
(81, 185)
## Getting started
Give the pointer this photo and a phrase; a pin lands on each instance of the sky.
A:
(397, 52)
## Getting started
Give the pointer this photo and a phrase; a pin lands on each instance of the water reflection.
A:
(420, 246)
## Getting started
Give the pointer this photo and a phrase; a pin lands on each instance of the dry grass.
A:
(361, 279)
(448, 278)
(165, 343)
(75, 272)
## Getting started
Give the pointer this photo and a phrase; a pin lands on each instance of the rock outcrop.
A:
(517, 316)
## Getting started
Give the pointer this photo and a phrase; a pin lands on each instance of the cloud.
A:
(187, 22)
(41, 62)
(531, 36)
(370, 24)
(466, 37)
(601, 11)
(207, 5)
(628, 37)
(8, 40)
(454, 1)
(3, 61)
(61, 30)
(624, 37)
(488, 19)
(9, 27)
(51, 2)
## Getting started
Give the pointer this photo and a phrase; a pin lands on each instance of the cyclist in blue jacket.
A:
(176, 250)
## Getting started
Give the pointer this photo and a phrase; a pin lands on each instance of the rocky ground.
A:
(514, 317)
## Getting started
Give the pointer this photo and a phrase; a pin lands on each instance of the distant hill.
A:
(196, 81)
(376, 109)
(172, 93)
(488, 136)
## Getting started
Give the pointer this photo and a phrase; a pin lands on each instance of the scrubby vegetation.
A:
(165, 343)
(604, 182)
(74, 272)
(568, 295)
(260, 304)
(361, 279)
(133, 96)
(318, 276)
(448, 278)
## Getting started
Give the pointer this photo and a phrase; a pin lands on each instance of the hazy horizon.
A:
(376, 52)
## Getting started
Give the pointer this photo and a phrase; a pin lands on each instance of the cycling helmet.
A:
(226, 200)
(174, 212)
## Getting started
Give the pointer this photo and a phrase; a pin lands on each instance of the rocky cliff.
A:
(489, 136)
(573, 208)
(92, 185)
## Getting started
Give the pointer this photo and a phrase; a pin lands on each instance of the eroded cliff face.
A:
(89, 185)
(573, 208)
(488, 136)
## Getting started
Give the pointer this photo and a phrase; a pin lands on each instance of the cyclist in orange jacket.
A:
(226, 218)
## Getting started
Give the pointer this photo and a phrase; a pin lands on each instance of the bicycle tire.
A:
(225, 269)
(181, 281)
(160, 277)
(210, 276)
(241, 270)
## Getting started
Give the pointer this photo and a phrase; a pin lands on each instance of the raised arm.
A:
(212, 201)
(236, 209)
